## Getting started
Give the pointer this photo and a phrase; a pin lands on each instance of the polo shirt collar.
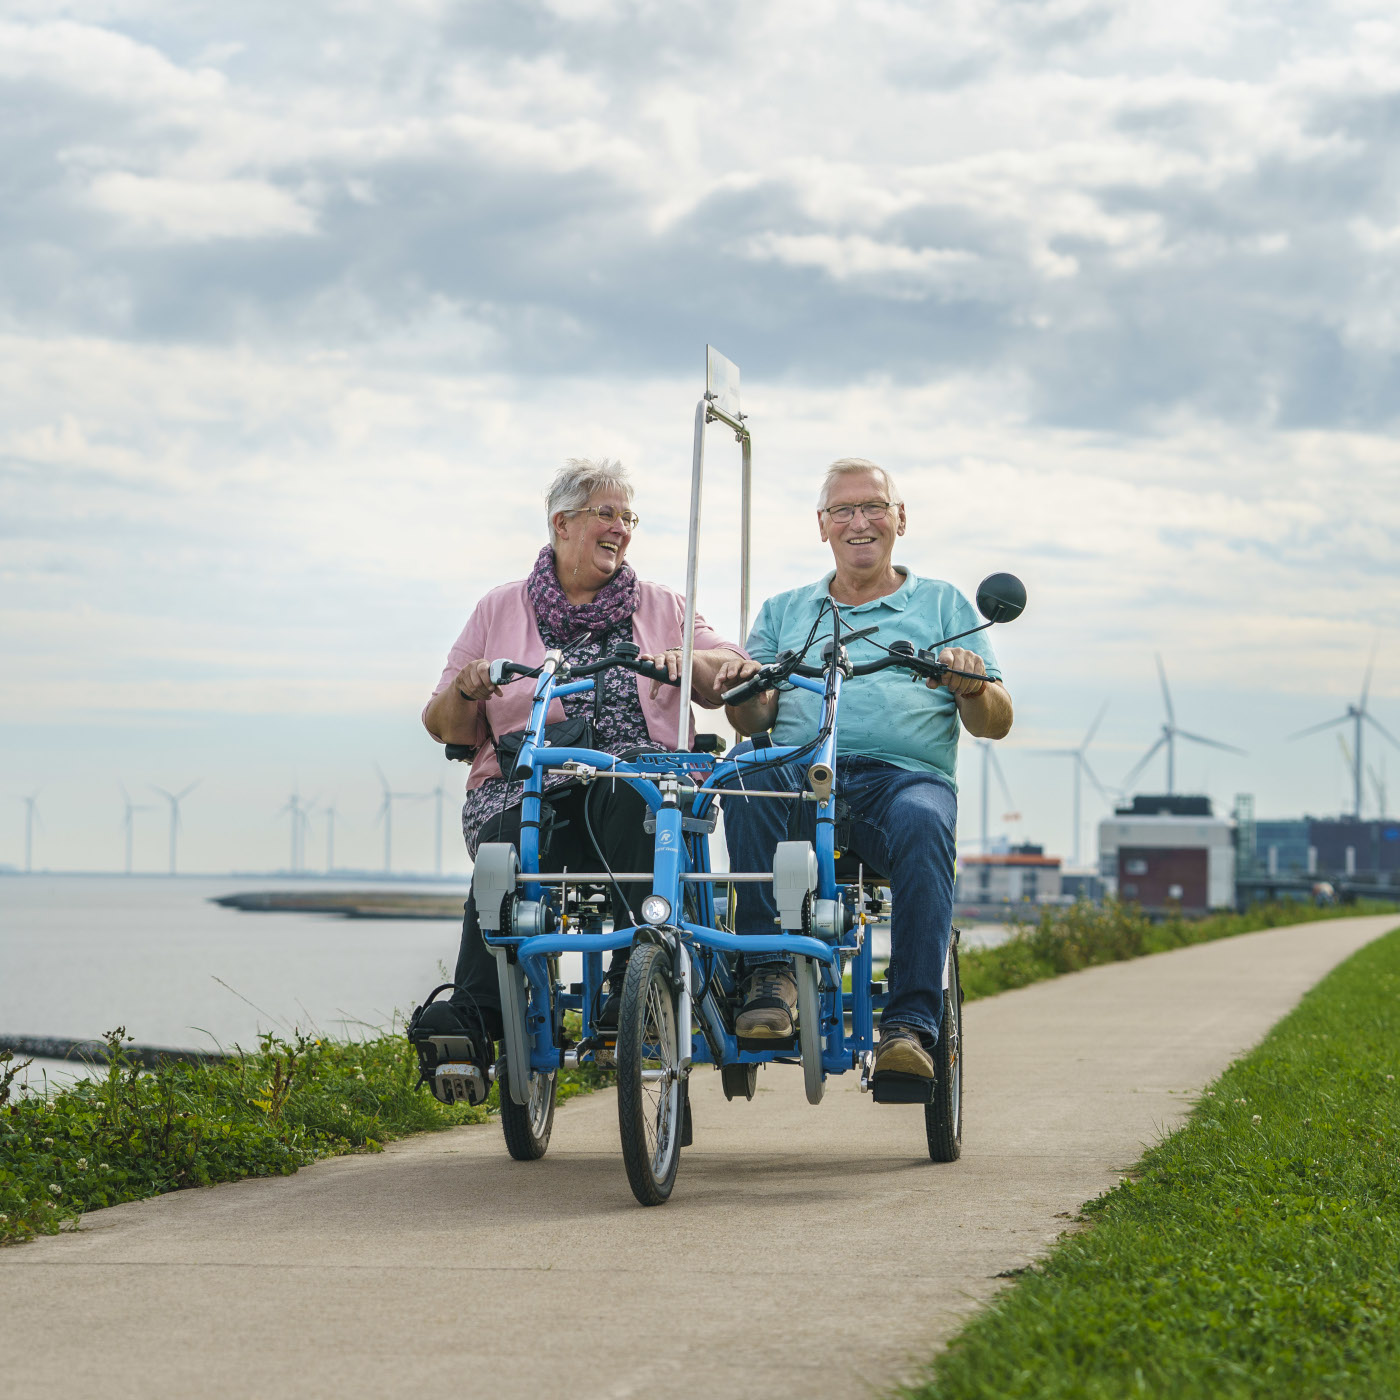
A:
(896, 601)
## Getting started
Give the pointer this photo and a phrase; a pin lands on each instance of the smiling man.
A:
(897, 750)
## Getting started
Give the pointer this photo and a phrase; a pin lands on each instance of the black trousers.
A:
(615, 813)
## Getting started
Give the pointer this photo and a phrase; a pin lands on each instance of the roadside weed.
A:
(133, 1133)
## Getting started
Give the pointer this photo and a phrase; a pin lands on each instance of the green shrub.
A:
(1068, 938)
(132, 1133)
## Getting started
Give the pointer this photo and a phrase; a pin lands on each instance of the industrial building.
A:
(1305, 847)
(1169, 853)
(1021, 875)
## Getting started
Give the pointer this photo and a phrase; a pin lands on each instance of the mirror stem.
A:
(958, 636)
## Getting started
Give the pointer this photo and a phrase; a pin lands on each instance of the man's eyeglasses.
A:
(608, 515)
(873, 511)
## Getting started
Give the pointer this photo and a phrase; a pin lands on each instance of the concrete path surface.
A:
(811, 1252)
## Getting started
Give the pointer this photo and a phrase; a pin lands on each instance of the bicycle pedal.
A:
(892, 1086)
(786, 1044)
(460, 1083)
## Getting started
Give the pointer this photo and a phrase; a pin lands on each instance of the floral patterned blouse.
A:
(620, 726)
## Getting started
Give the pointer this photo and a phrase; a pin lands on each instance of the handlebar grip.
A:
(652, 672)
(459, 753)
(745, 690)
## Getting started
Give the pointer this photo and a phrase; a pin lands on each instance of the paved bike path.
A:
(811, 1252)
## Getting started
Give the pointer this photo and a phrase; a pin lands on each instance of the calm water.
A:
(81, 955)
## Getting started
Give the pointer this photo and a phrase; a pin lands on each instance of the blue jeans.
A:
(904, 825)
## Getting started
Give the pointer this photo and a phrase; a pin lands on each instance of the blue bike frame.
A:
(679, 855)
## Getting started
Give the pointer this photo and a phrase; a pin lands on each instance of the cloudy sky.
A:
(300, 306)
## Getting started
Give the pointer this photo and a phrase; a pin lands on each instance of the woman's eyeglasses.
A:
(610, 516)
(873, 511)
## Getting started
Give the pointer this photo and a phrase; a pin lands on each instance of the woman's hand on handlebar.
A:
(668, 661)
(960, 659)
(474, 681)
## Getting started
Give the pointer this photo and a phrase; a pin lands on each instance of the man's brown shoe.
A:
(902, 1052)
(769, 1006)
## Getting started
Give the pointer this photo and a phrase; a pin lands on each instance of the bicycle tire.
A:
(649, 1109)
(943, 1116)
(527, 1126)
(809, 1027)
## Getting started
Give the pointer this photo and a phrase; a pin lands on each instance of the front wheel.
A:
(649, 1096)
(527, 1126)
(943, 1116)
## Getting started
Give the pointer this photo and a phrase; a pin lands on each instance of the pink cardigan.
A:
(503, 627)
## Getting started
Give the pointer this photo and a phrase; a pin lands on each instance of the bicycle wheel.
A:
(943, 1117)
(527, 1126)
(809, 1027)
(649, 1107)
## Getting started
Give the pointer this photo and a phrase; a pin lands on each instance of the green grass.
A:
(132, 1134)
(1256, 1252)
(1068, 938)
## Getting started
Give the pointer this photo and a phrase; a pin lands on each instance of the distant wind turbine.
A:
(129, 821)
(175, 799)
(300, 813)
(990, 761)
(386, 814)
(1081, 768)
(330, 837)
(31, 811)
(1170, 734)
(1360, 716)
(438, 794)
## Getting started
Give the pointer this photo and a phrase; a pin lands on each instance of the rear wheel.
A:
(527, 1126)
(650, 1105)
(809, 1026)
(943, 1116)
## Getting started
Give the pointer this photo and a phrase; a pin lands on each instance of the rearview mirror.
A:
(1001, 597)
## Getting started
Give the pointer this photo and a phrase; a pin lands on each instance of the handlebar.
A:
(627, 656)
(901, 654)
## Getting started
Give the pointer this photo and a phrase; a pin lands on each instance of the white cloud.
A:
(301, 310)
(199, 210)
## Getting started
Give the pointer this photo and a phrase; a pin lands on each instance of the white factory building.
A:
(1169, 852)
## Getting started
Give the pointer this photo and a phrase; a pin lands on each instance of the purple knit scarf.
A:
(560, 621)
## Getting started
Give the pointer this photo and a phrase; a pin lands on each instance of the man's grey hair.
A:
(578, 481)
(846, 466)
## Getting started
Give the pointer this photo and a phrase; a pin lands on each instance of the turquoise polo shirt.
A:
(891, 715)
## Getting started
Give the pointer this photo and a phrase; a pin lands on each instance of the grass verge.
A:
(1252, 1253)
(1066, 939)
(132, 1133)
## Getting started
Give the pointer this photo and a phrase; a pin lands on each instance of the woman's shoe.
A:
(454, 1052)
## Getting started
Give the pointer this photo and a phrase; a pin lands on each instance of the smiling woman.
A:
(583, 598)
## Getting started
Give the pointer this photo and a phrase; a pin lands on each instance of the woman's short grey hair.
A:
(846, 466)
(578, 481)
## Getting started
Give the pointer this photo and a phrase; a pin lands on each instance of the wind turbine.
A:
(129, 822)
(437, 793)
(300, 814)
(386, 814)
(30, 812)
(330, 837)
(175, 799)
(1171, 732)
(1081, 767)
(1360, 716)
(990, 761)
